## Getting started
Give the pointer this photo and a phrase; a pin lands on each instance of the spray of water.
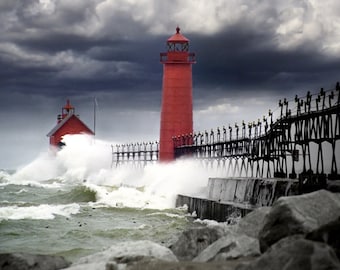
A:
(85, 161)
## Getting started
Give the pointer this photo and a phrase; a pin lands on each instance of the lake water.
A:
(72, 203)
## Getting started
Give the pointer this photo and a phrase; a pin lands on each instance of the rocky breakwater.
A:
(300, 232)
(296, 232)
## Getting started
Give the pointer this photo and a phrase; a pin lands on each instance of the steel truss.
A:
(302, 141)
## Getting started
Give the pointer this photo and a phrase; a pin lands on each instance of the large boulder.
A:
(329, 234)
(295, 252)
(25, 261)
(298, 215)
(229, 247)
(252, 223)
(192, 241)
(124, 253)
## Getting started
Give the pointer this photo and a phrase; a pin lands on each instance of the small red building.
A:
(68, 123)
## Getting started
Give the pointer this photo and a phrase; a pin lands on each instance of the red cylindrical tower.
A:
(176, 113)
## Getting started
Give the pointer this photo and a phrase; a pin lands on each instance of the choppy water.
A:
(73, 204)
(67, 221)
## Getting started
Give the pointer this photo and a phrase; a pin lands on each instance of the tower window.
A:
(178, 47)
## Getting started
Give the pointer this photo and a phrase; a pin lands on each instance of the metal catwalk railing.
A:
(137, 153)
(301, 139)
(304, 139)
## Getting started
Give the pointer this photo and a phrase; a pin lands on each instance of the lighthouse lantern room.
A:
(67, 123)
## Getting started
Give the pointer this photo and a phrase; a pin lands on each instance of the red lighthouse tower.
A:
(176, 113)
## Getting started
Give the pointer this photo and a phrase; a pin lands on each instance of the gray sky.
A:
(249, 55)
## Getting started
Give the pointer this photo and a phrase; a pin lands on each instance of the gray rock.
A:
(162, 265)
(252, 223)
(25, 261)
(94, 266)
(192, 241)
(121, 254)
(230, 247)
(293, 253)
(298, 215)
(329, 234)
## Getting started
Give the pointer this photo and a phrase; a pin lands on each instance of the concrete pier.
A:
(255, 192)
(209, 209)
(226, 196)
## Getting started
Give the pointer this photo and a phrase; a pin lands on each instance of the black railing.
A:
(301, 137)
(138, 153)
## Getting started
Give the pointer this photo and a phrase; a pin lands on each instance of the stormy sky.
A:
(249, 55)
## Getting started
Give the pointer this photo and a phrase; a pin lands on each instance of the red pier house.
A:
(176, 112)
(67, 123)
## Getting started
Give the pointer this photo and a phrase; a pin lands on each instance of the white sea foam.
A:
(166, 214)
(4, 176)
(44, 167)
(88, 162)
(207, 222)
(21, 191)
(155, 187)
(42, 211)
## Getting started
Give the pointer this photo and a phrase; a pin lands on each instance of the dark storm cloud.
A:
(244, 60)
(54, 54)
(86, 46)
(51, 50)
